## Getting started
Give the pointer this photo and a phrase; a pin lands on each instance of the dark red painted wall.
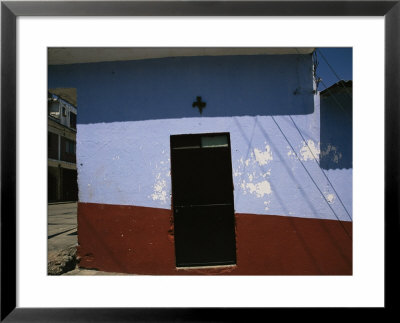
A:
(139, 240)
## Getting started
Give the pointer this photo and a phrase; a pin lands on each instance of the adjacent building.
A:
(61, 138)
(208, 161)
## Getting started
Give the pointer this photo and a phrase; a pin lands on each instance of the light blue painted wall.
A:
(128, 110)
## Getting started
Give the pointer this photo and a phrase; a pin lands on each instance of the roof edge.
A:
(76, 55)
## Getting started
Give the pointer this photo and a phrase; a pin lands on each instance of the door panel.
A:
(205, 235)
(202, 176)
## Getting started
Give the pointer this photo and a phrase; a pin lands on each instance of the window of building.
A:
(70, 147)
(64, 112)
(54, 109)
(52, 145)
(68, 150)
(72, 120)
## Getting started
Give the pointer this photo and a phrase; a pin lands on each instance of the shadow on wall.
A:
(336, 141)
(167, 88)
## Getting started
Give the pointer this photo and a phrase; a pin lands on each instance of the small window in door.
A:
(214, 141)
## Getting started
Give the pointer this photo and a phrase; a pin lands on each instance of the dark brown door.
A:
(202, 198)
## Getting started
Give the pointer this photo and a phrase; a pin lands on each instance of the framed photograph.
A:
(218, 188)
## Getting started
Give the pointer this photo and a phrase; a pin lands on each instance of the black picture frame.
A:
(10, 10)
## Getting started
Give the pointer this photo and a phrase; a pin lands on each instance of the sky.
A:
(334, 63)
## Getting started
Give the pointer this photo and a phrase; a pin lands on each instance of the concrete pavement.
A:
(62, 237)
(62, 227)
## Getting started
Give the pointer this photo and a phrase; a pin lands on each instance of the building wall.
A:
(62, 173)
(128, 110)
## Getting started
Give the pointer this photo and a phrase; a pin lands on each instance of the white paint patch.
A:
(260, 189)
(263, 157)
(330, 198)
(267, 173)
(159, 191)
(266, 205)
(309, 150)
(333, 151)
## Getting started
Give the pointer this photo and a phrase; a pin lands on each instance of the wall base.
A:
(140, 240)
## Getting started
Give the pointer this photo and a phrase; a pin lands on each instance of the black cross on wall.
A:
(199, 104)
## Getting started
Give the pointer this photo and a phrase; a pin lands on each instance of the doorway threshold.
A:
(206, 267)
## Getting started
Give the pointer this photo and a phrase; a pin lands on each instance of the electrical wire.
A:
(338, 103)
(334, 72)
(318, 80)
(327, 178)
(334, 213)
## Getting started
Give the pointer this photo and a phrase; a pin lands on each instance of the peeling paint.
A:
(333, 151)
(260, 189)
(309, 150)
(159, 191)
(263, 157)
(330, 198)
(268, 173)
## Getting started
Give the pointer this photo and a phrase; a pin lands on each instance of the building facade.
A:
(61, 139)
(210, 164)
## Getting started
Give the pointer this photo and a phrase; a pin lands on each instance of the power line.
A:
(327, 178)
(334, 97)
(319, 80)
(310, 176)
(329, 65)
(334, 72)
